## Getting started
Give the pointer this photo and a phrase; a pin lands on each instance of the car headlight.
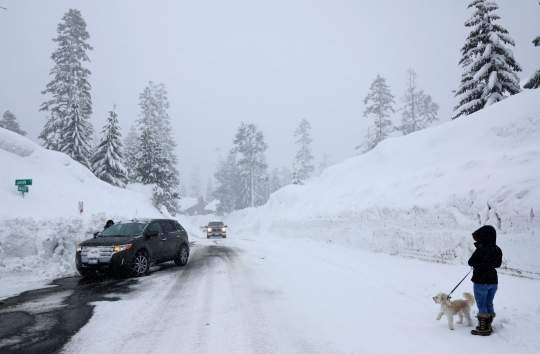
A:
(79, 249)
(121, 248)
(209, 229)
(223, 229)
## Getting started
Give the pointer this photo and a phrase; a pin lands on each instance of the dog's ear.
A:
(446, 300)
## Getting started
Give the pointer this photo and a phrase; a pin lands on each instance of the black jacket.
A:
(487, 256)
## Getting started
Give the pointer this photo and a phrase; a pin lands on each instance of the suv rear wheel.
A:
(182, 256)
(141, 264)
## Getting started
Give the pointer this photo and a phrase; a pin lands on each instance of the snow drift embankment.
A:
(422, 195)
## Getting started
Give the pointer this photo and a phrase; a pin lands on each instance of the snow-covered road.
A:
(266, 294)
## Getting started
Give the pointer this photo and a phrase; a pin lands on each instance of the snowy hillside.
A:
(58, 184)
(40, 232)
(422, 195)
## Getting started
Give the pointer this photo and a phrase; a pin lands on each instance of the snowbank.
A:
(58, 184)
(422, 195)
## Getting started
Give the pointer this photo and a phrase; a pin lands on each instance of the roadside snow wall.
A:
(422, 195)
(47, 247)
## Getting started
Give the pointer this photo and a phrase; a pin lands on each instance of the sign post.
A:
(21, 185)
(81, 207)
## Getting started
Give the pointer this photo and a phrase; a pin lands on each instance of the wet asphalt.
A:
(43, 320)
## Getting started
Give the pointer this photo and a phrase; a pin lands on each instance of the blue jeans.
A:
(484, 294)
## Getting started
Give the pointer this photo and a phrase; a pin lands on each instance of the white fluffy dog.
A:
(462, 308)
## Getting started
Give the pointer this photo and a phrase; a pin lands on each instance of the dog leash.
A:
(459, 283)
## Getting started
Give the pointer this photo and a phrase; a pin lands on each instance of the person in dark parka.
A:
(484, 260)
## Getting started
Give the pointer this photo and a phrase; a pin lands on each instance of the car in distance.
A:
(131, 247)
(216, 228)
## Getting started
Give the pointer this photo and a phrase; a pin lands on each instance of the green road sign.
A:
(23, 182)
(23, 189)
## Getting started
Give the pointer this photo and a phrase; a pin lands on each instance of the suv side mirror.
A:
(152, 233)
(95, 234)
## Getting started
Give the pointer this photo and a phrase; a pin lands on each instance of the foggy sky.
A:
(272, 63)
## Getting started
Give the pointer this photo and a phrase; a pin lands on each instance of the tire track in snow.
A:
(271, 325)
(154, 332)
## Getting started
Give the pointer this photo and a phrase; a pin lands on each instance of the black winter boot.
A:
(491, 317)
(484, 327)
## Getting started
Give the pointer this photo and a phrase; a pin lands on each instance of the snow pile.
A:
(58, 184)
(422, 195)
(16, 144)
(39, 233)
(45, 247)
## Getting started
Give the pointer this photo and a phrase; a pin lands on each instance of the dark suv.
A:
(130, 247)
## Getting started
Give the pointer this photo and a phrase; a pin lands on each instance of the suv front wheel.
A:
(182, 256)
(141, 264)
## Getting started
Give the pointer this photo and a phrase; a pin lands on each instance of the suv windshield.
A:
(215, 223)
(127, 229)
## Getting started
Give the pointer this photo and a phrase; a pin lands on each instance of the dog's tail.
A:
(469, 298)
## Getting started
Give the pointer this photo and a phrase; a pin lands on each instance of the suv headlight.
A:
(223, 229)
(209, 229)
(121, 248)
(79, 249)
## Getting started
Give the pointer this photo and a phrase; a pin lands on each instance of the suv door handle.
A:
(163, 239)
(177, 236)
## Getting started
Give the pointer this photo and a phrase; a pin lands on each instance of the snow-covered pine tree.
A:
(325, 163)
(165, 192)
(491, 75)
(195, 183)
(154, 104)
(153, 169)
(70, 87)
(209, 190)
(275, 180)
(285, 176)
(151, 164)
(183, 192)
(93, 143)
(262, 190)
(296, 177)
(131, 155)
(147, 103)
(419, 110)
(369, 141)
(154, 118)
(303, 154)
(108, 158)
(77, 135)
(228, 189)
(252, 164)
(428, 111)
(51, 132)
(380, 109)
(534, 81)
(164, 123)
(9, 122)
